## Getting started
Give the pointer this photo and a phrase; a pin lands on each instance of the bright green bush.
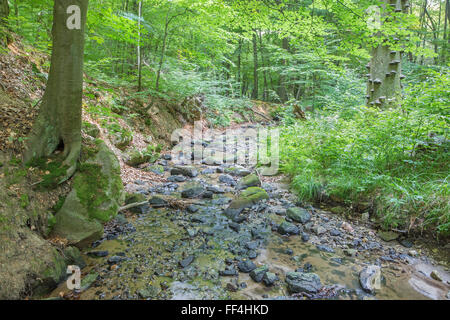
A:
(397, 158)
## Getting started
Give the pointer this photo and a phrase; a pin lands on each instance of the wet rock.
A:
(190, 172)
(258, 274)
(406, 243)
(289, 251)
(166, 157)
(98, 253)
(325, 248)
(137, 198)
(234, 171)
(370, 278)
(148, 293)
(298, 214)
(248, 198)
(251, 180)
(278, 210)
(435, 275)
(287, 228)
(269, 279)
(235, 226)
(388, 235)
(192, 208)
(230, 271)
(157, 202)
(252, 254)
(176, 179)
(187, 261)
(192, 193)
(335, 233)
(156, 169)
(303, 282)
(207, 195)
(232, 286)
(116, 259)
(305, 237)
(215, 189)
(319, 230)
(227, 179)
(246, 266)
(350, 252)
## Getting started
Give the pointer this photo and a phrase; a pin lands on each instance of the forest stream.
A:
(161, 251)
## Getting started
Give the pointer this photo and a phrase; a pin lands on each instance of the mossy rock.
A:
(91, 129)
(55, 273)
(96, 197)
(157, 169)
(248, 198)
(252, 180)
(136, 158)
(298, 214)
(122, 140)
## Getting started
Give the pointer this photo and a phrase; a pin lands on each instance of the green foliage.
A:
(397, 159)
(53, 171)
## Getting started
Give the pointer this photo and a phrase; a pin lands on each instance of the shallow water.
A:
(164, 237)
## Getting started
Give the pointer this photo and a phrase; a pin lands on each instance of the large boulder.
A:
(299, 282)
(370, 278)
(95, 198)
(252, 180)
(299, 215)
(246, 199)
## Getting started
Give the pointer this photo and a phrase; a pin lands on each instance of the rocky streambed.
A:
(222, 231)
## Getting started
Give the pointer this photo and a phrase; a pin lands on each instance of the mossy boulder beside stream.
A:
(95, 198)
(246, 199)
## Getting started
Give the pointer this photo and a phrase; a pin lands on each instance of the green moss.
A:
(24, 201)
(90, 184)
(56, 171)
(249, 197)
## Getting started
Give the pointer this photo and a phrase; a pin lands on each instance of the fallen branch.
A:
(132, 205)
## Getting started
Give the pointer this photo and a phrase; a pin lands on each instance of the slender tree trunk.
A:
(163, 52)
(139, 57)
(4, 11)
(445, 37)
(384, 84)
(59, 119)
(239, 66)
(255, 92)
(282, 91)
(263, 64)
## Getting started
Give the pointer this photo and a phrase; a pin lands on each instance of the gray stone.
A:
(370, 278)
(258, 274)
(299, 215)
(303, 282)
(287, 228)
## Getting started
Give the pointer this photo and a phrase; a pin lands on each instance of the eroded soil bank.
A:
(188, 242)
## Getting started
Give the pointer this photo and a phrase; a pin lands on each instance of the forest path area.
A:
(225, 232)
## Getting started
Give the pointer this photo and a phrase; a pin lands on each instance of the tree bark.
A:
(255, 92)
(4, 11)
(384, 84)
(59, 119)
(139, 57)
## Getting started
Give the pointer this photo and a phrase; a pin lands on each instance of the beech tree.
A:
(59, 120)
(385, 67)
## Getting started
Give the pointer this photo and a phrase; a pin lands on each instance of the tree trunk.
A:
(384, 84)
(255, 67)
(163, 52)
(282, 91)
(4, 11)
(59, 119)
(139, 57)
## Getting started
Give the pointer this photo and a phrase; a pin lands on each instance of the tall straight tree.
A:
(59, 119)
(384, 84)
(4, 10)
